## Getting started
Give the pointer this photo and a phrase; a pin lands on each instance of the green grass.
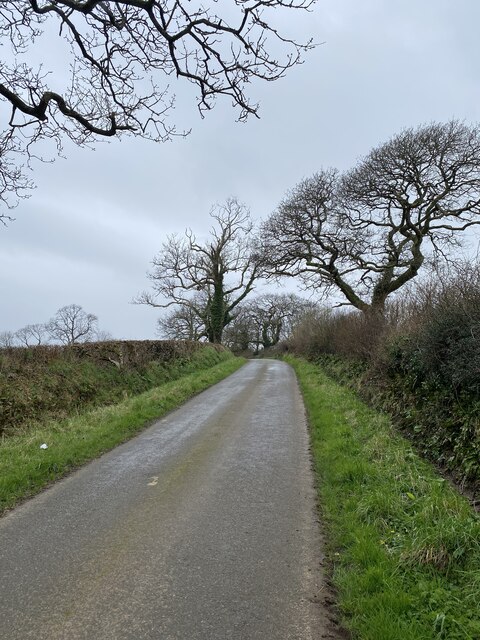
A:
(25, 468)
(53, 382)
(404, 546)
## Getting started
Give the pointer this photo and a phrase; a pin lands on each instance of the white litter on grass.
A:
(44, 446)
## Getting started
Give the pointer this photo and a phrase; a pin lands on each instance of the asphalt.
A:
(202, 527)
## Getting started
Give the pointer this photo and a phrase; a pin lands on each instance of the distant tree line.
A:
(70, 325)
(265, 320)
(207, 286)
(354, 238)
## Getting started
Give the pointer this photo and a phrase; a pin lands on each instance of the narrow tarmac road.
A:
(202, 527)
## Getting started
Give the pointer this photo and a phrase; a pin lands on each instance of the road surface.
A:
(202, 527)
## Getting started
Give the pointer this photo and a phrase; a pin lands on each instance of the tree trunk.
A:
(217, 315)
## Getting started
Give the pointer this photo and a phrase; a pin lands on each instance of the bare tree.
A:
(208, 279)
(71, 324)
(265, 320)
(367, 233)
(7, 339)
(31, 334)
(240, 335)
(116, 59)
(274, 315)
(182, 323)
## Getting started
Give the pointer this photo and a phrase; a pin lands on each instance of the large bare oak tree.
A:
(114, 62)
(207, 279)
(368, 232)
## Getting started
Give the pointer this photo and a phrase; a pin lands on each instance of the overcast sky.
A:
(96, 218)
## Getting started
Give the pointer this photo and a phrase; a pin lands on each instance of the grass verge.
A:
(404, 546)
(53, 382)
(25, 468)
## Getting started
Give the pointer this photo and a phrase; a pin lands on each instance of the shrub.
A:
(37, 383)
(421, 362)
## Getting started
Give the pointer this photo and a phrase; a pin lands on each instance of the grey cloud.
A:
(89, 230)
